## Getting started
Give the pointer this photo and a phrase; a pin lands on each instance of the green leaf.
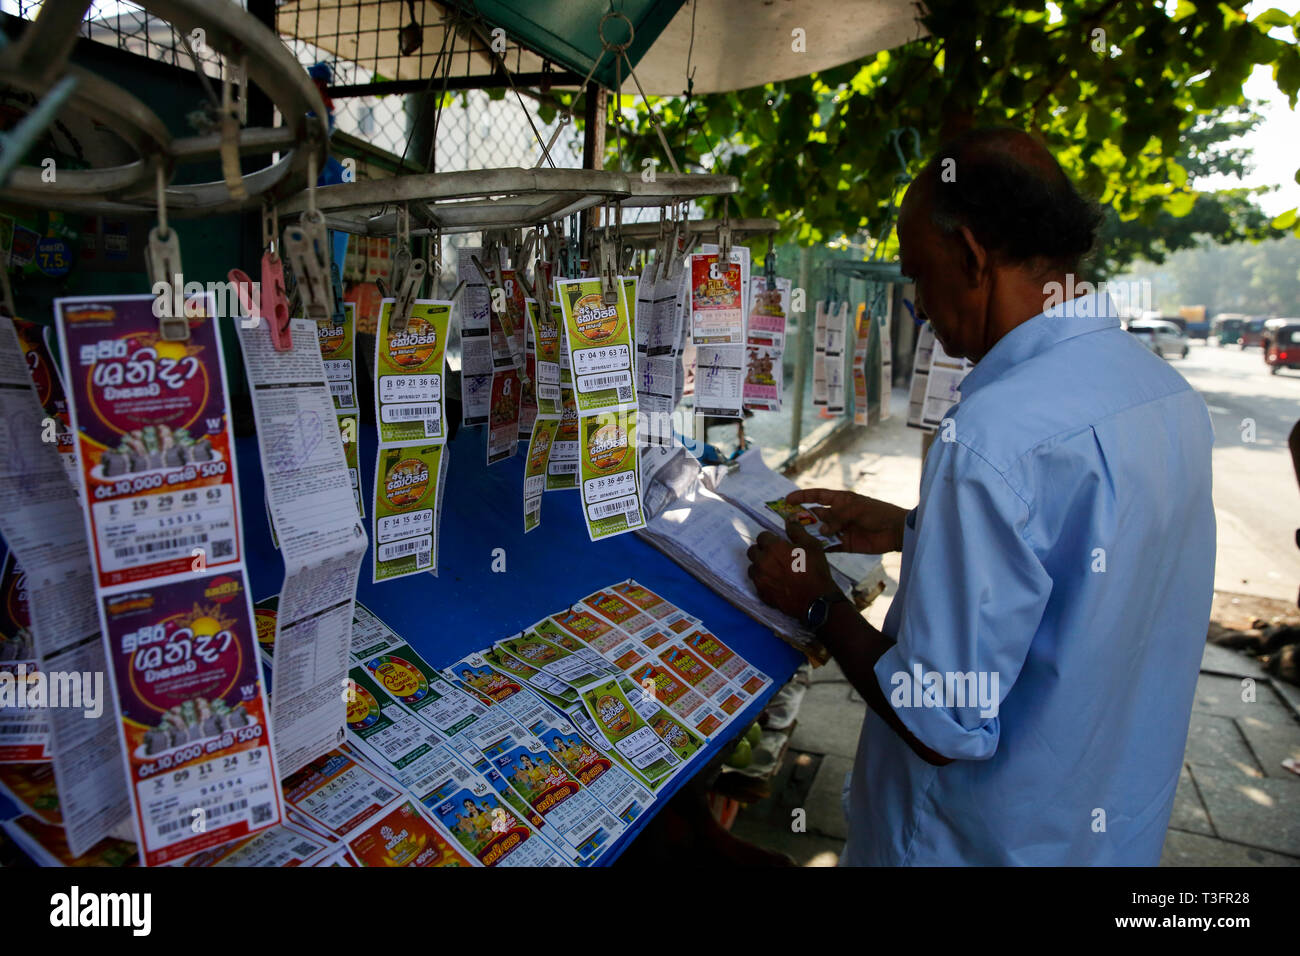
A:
(1180, 204)
(1273, 17)
(1286, 220)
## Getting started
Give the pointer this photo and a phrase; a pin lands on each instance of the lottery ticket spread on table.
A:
(155, 455)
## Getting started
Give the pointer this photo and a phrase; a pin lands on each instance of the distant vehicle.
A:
(1164, 338)
(1227, 328)
(1198, 326)
(1252, 333)
(1283, 347)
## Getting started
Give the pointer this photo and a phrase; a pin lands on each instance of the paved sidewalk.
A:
(1236, 804)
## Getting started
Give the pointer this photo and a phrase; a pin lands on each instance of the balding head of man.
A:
(988, 224)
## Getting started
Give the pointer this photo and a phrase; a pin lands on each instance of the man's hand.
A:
(790, 575)
(865, 525)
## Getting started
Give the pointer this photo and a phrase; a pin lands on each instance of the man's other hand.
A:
(865, 525)
(790, 575)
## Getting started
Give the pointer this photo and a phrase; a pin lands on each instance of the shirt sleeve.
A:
(973, 603)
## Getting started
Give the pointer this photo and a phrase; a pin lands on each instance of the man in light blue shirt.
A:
(1031, 689)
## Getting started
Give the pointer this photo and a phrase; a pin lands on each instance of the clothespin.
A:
(230, 124)
(769, 265)
(274, 302)
(724, 236)
(608, 271)
(162, 259)
(306, 246)
(405, 296)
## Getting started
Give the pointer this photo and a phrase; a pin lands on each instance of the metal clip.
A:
(230, 114)
(162, 259)
(402, 255)
(769, 265)
(608, 252)
(405, 297)
(306, 247)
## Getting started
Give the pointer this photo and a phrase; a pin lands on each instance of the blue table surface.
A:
(469, 606)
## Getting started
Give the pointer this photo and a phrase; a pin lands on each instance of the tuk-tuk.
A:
(1227, 328)
(1283, 347)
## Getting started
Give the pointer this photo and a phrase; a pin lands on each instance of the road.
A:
(1256, 497)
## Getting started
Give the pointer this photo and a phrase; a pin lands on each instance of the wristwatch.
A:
(819, 611)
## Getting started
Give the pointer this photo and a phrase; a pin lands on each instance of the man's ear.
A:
(974, 256)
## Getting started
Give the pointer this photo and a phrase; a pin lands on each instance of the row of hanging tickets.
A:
(765, 334)
(411, 418)
(601, 353)
(544, 367)
(48, 592)
(302, 407)
(719, 278)
(156, 463)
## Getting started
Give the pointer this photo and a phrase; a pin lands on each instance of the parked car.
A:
(1252, 333)
(1283, 347)
(1163, 338)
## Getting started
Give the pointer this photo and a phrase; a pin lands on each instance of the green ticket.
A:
(409, 403)
(611, 498)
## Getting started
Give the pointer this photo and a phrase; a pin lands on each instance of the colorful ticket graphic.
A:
(337, 339)
(405, 510)
(472, 812)
(409, 396)
(546, 365)
(811, 523)
(156, 456)
(404, 836)
(562, 467)
(47, 379)
(628, 733)
(481, 680)
(503, 418)
(540, 444)
(196, 741)
(600, 345)
(410, 679)
(611, 498)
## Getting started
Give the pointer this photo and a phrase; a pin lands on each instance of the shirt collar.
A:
(1065, 320)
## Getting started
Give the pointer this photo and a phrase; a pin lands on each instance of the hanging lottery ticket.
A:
(836, 339)
(307, 491)
(338, 350)
(475, 338)
(717, 305)
(43, 527)
(600, 345)
(408, 489)
(46, 376)
(409, 399)
(862, 344)
(157, 470)
(765, 343)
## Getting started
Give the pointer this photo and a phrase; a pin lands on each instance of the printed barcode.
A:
(305, 849)
(223, 548)
(166, 545)
(411, 411)
(262, 812)
(403, 547)
(423, 557)
(221, 811)
(605, 381)
(432, 428)
(564, 467)
(24, 729)
(383, 796)
(625, 393)
(611, 507)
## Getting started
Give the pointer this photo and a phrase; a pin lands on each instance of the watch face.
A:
(815, 616)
